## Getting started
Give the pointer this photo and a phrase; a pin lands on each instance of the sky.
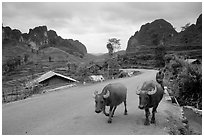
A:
(93, 23)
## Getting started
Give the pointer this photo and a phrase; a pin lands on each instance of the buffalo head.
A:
(100, 101)
(145, 96)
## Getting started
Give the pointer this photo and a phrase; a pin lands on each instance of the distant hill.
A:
(100, 57)
(39, 38)
(150, 35)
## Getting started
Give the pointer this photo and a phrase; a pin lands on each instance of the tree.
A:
(50, 59)
(185, 26)
(113, 45)
(11, 64)
(26, 56)
(185, 81)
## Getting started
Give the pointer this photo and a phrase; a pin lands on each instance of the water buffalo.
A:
(112, 95)
(150, 95)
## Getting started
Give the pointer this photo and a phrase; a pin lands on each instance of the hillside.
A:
(39, 38)
(36, 47)
(150, 35)
(29, 54)
(11, 48)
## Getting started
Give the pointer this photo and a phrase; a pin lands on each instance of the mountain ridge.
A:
(40, 37)
(160, 31)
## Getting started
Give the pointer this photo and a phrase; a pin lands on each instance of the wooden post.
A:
(108, 71)
(3, 96)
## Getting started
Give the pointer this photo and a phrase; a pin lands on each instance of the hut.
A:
(193, 61)
(54, 79)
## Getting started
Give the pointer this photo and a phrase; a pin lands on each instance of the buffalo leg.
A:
(154, 110)
(147, 113)
(113, 111)
(104, 111)
(125, 113)
(110, 114)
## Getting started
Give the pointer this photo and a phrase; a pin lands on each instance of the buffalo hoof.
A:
(109, 121)
(107, 115)
(146, 123)
(125, 113)
(153, 121)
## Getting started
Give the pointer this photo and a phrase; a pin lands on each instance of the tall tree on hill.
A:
(185, 26)
(26, 56)
(50, 59)
(113, 45)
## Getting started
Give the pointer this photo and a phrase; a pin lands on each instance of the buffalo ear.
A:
(138, 92)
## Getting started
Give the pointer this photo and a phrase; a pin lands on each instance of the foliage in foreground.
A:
(185, 81)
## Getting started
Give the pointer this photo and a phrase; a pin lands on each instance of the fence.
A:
(17, 94)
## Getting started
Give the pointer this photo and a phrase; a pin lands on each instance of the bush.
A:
(186, 82)
(191, 86)
(11, 64)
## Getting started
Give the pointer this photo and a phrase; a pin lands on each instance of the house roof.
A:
(51, 74)
(92, 65)
(191, 60)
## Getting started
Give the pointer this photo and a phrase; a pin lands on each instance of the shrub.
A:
(190, 86)
(186, 82)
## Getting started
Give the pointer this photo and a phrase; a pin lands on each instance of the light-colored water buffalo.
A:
(150, 95)
(112, 95)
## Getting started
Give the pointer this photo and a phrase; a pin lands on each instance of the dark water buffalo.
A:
(112, 95)
(150, 95)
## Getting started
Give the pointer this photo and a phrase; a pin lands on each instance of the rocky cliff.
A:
(160, 31)
(148, 32)
(40, 37)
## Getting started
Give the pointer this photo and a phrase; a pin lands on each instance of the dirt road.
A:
(71, 111)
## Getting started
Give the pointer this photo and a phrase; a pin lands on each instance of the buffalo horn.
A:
(152, 91)
(95, 93)
(107, 94)
(137, 91)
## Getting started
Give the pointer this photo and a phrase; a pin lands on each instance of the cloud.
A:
(84, 19)
(140, 12)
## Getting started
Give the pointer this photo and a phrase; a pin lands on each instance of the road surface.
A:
(71, 112)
